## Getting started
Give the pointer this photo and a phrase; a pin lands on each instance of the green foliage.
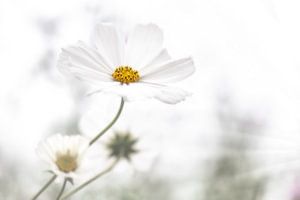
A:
(141, 187)
(230, 177)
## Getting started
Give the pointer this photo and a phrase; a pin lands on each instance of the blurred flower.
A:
(296, 190)
(63, 154)
(122, 145)
(136, 67)
(137, 153)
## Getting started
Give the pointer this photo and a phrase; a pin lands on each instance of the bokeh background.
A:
(236, 138)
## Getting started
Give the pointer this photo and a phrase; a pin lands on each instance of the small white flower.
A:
(132, 67)
(64, 154)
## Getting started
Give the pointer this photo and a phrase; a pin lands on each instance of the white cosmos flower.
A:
(136, 66)
(64, 154)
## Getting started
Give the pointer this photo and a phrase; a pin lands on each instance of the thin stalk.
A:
(62, 189)
(72, 192)
(44, 187)
(110, 124)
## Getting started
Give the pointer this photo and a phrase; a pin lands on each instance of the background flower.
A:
(149, 143)
(64, 154)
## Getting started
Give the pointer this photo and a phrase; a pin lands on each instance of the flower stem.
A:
(110, 124)
(72, 192)
(62, 189)
(44, 187)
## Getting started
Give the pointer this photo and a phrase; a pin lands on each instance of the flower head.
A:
(122, 145)
(63, 154)
(135, 67)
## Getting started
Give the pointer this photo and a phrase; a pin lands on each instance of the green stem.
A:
(110, 124)
(44, 187)
(72, 192)
(62, 189)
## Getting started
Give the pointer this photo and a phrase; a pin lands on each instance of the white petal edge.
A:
(131, 92)
(110, 44)
(145, 90)
(160, 58)
(81, 54)
(171, 95)
(74, 62)
(171, 71)
(143, 43)
(100, 59)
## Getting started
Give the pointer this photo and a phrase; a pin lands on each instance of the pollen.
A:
(126, 74)
(66, 163)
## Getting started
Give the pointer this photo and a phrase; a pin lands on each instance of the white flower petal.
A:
(45, 153)
(73, 61)
(90, 76)
(82, 146)
(81, 54)
(131, 92)
(171, 95)
(143, 90)
(102, 63)
(171, 71)
(110, 44)
(158, 59)
(143, 44)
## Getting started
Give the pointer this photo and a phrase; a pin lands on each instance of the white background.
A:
(246, 49)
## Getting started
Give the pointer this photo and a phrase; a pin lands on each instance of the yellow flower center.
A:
(125, 74)
(66, 163)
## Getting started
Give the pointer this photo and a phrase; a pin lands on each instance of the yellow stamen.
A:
(126, 74)
(66, 163)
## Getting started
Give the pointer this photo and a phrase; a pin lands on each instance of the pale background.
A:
(247, 71)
